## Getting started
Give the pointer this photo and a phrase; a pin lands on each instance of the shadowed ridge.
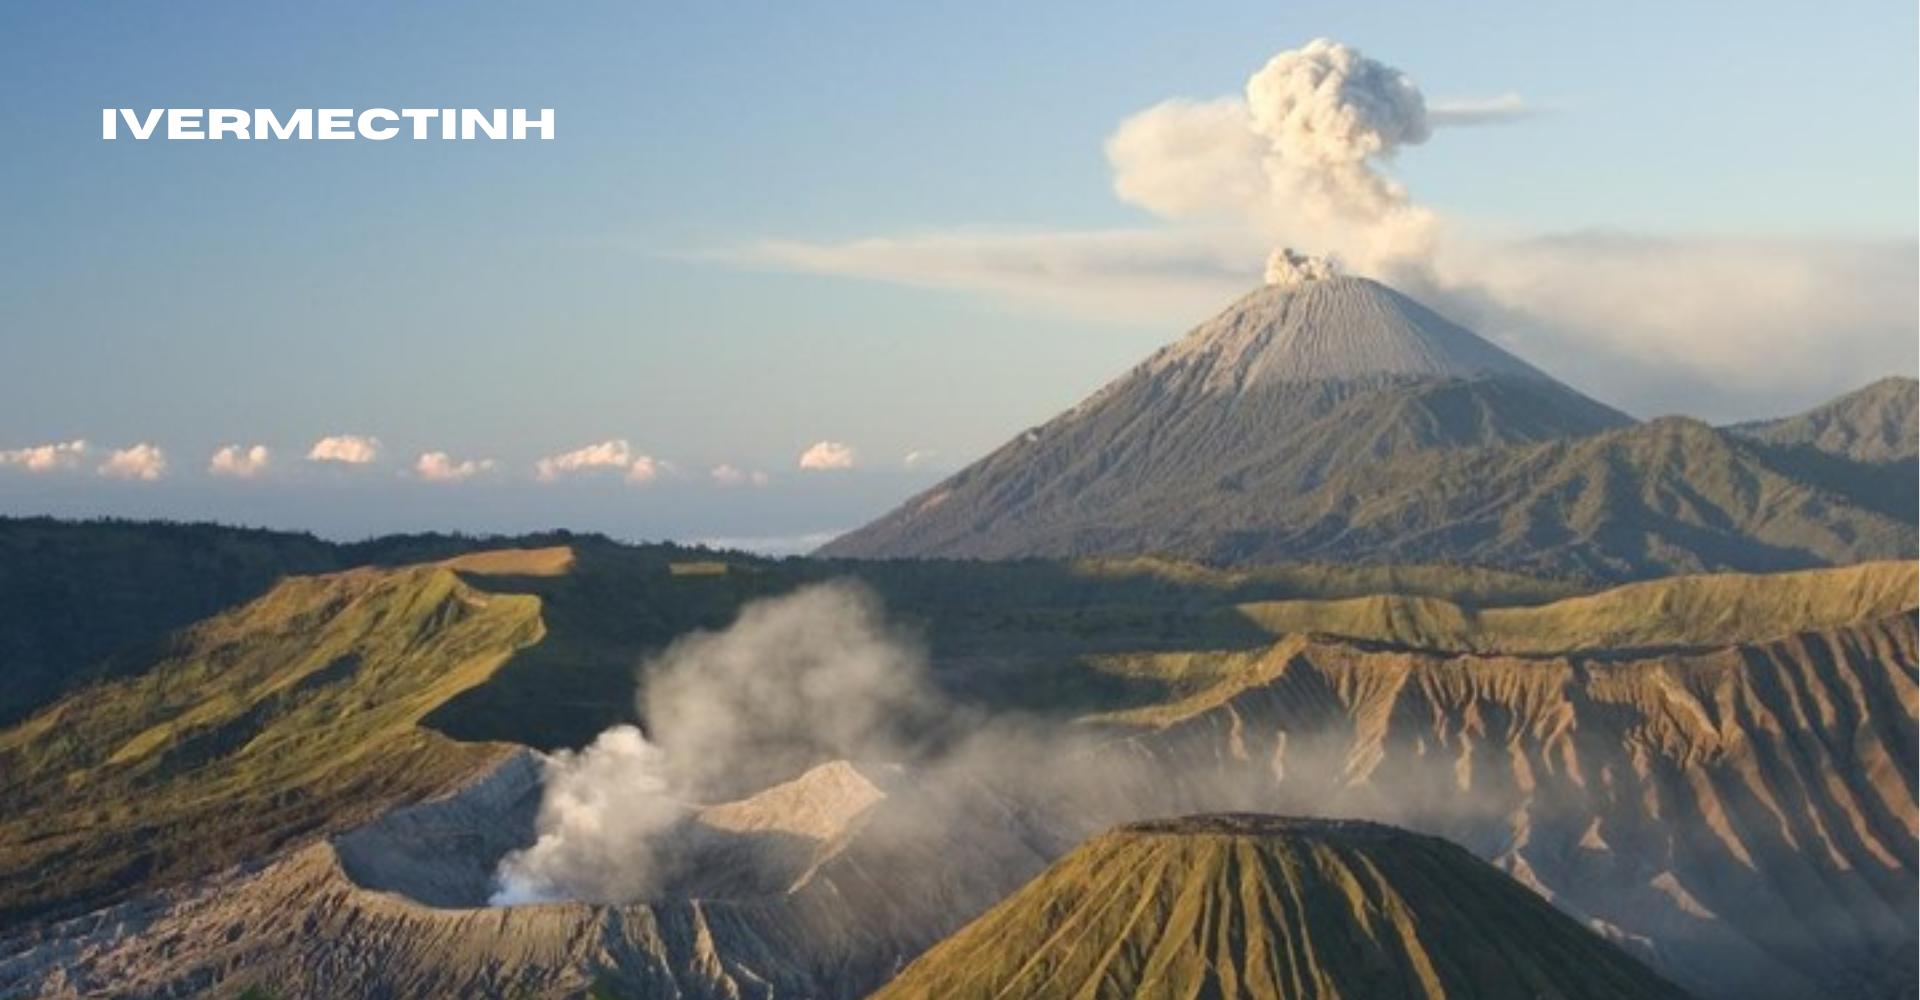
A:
(1876, 423)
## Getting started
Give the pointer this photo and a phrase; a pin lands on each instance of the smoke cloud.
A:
(1286, 268)
(813, 676)
(600, 809)
(1300, 156)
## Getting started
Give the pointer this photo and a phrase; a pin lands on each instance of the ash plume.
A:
(1299, 155)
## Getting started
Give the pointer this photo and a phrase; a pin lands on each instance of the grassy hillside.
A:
(1258, 908)
(1669, 496)
(295, 714)
(88, 601)
(1680, 611)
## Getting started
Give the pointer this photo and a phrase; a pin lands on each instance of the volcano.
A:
(1255, 407)
(1239, 907)
(1335, 419)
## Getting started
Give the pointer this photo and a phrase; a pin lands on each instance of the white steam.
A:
(812, 676)
(600, 809)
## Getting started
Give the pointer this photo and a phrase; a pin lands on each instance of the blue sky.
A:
(517, 300)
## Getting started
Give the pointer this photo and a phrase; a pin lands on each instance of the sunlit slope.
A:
(1680, 611)
(1241, 907)
(290, 716)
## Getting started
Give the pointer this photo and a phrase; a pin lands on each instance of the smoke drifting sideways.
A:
(812, 676)
(1300, 156)
(819, 675)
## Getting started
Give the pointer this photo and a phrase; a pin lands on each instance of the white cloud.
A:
(825, 455)
(1130, 276)
(240, 462)
(1501, 110)
(614, 454)
(144, 462)
(439, 467)
(645, 469)
(773, 545)
(47, 457)
(727, 475)
(918, 457)
(348, 449)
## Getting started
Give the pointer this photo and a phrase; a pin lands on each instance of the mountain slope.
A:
(1743, 817)
(1676, 612)
(1876, 423)
(1672, 495)
(1244, 907)
(1338, 420)
(1262, 402)
(294, 714)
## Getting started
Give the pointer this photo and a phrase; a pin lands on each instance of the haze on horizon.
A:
(780, 269)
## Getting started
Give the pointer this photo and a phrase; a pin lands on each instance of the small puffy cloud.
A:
(351, 449)
(919, 457)
(240, 462)
(46, 457)
(645, 469)
(605, 455)
(615, 454)
(144, 462)
(439, 467)
(727, 475)
(824, 455)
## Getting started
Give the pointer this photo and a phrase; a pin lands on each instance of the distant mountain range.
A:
(1340, 420)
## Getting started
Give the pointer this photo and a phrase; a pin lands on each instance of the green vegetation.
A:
(292, 716)
(90, 601)
(1677, 612)
(1257, 908)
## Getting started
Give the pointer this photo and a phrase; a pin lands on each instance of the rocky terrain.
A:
(822, 887)
(1715, 773)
